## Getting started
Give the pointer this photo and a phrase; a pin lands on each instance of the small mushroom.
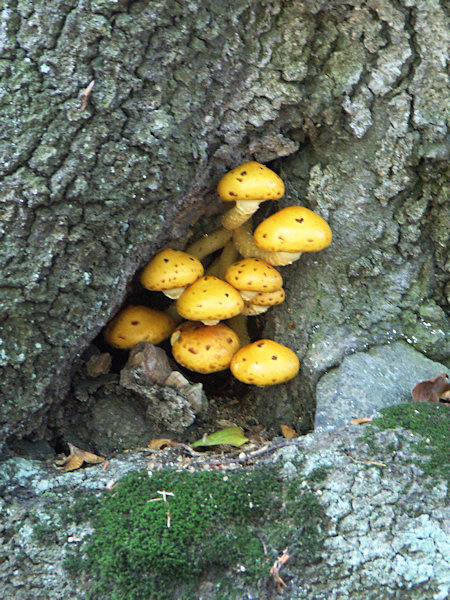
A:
(136, 324)
(245, 244)
(264, 362)
(202, 348)
(263, 301)
(253, 275)
(293, 229)
(248, 185)
(210, 300)
(170, 272)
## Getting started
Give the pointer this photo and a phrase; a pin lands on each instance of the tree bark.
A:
(183, 91)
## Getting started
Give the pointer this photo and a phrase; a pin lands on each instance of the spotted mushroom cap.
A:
(253, 275)
(203, 348)
(171, 269)
(250, 181)
(209, 299)
(264, 362)
(136, 324)
(293, 229)
(268, 298)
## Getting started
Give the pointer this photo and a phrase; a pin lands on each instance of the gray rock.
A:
(386, 527)
(365, 382)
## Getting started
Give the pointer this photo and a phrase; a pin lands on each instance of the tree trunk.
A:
(93, 186)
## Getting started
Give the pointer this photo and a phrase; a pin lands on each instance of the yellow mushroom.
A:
(253, 275)
(248, 185)
(263, 301)
(136, 324)
(264, 362)
(202, 348)
(209, 300)
(293, 229)
(245, 245)
(170, 272)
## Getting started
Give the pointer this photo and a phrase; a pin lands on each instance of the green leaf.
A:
(233, 436)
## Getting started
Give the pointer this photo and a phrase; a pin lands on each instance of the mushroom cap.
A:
(136, 324)
(268, 298)
(171, 269)
(250, 181)
(203, 348)
(211, 299)
(293, 229)
(264, 362)
(253, 275)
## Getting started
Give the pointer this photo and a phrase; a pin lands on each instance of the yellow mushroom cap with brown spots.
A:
(171, 269)
(293, 229)
(136, 324)
(268, 298)
(264, 362)
(203, 348)
(209, 299)
(250, 181)
(253, 275)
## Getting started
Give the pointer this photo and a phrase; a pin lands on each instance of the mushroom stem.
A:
(245, 245)
(172, 312)
(228, 256)
(209, 243)
(252, 310)
(239, 325)
(240, 213)
(222, 262)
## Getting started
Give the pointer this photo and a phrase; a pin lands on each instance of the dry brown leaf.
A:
(431, 390)
(361, 421)
(275, 570)
(76, 458)
(161, 443)
(288, 432)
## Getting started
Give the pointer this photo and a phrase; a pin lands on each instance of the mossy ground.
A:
(431, 421)
(232, 524)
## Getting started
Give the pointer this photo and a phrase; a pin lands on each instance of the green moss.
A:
(45, 534)
(234, 524)
(431, 421)
(319, 474)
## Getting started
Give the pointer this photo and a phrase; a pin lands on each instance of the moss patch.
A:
(232, 524)
(431, 421)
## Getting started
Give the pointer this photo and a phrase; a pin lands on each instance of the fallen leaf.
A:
(75, 459)
(233, 436)
(361, 421)
(275, 570)
(161, 443)
(432, 389)
(288, 432)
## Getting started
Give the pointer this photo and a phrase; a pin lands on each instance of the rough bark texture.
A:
(182, 91)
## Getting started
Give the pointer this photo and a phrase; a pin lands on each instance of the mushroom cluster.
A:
(241, 282)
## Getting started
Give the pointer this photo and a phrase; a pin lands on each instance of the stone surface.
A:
(386, 530)
(365, 382)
